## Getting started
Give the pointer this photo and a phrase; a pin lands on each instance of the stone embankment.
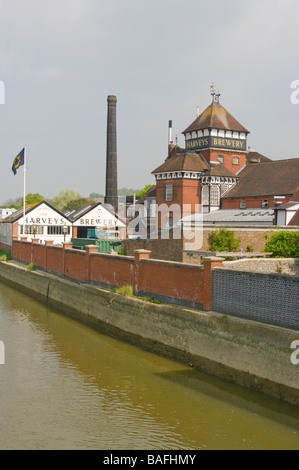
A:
(252, 354)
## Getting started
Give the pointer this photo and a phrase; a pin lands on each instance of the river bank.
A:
(251, 354)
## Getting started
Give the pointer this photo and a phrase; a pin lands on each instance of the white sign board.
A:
(98, 217)
(44, 215)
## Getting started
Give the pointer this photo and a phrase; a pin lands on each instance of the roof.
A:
(18, 214)
(83, 210)
(182, 162)
(217, 169)
(256, 157)
(274, 178)
(151, 192)
(215, 116)
(295, 219)
(230, 216)
(295, 197)
(76, 213)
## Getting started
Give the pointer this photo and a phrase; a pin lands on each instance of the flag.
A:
(18, 161)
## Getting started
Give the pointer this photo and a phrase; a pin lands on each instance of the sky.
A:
(60, 59)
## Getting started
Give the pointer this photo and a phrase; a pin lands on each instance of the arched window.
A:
(214, 195)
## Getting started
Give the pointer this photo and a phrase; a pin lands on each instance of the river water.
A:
(67, 386)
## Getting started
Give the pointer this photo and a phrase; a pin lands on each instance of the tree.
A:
(76, 203)
(283, 244)
(95, 195)
(144, 190)
(32, 198)
(224, 240)
(127, 192)
(64, 198)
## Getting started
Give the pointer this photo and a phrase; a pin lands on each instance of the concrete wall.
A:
(247, 353)
(267, 298)
(265, 265)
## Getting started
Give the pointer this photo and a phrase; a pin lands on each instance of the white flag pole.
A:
(24, 195)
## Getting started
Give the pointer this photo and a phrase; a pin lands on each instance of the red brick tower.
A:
(218, 136)
(216, 149)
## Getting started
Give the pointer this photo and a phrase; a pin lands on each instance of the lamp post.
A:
(65, 231)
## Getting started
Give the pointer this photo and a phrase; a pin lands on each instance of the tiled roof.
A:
(183, 162)
(295, 219)
(215, 116)
(255, 157)
(19, 213)
(274, 178)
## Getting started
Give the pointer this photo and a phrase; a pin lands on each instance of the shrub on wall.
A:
(283, 244)
(224, 240)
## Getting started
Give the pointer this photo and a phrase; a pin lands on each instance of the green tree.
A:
(32, 198)
(224, 240)
(144, 190)
(95, 195)
(64, 198)
(76, 204)
(283, 244)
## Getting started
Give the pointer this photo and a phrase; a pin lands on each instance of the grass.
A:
(31, 267)
(128, 291)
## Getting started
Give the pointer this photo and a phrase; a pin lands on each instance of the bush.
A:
(31, 267)
(4, 255)
(224, 240)
(283, 244)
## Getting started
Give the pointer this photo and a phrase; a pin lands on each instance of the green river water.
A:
(67, 386)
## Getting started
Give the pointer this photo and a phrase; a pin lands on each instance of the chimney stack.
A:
(170, 142)
(111, 194)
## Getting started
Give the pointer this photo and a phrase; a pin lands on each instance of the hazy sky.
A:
(60, 59)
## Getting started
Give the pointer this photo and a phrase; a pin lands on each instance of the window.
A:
(235, 160)
(221, 158)
(168, 192)
(32, 229)
(205, 196)
(242, 204)
(265, 203)
(214, 195)
(57, 230)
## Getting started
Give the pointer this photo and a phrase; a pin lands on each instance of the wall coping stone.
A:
(289, 277)
(124, 257)
(172, 263)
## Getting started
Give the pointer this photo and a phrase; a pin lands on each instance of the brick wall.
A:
(171, 281)
(251, 202)
(267, 298)
(170, 250)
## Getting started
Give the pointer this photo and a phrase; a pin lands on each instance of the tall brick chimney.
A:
(111, 194)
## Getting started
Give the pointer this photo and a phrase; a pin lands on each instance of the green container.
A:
(104, 246)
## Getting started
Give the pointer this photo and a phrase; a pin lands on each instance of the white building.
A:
(41, 221)
(6, 212)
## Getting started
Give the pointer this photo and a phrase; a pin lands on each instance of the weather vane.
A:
(214, 94)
